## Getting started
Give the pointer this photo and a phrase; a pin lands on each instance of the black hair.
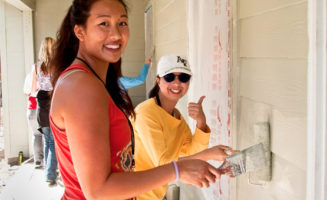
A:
(155, 90)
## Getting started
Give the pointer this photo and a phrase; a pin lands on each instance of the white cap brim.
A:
(177, 69)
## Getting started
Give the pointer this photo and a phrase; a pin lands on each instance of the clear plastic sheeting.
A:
(209, 23)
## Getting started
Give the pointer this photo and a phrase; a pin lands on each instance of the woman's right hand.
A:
(218, 152)
(197, 172)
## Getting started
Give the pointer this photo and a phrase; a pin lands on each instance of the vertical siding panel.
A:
(273, 69)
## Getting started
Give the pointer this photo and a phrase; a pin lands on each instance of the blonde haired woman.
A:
(42, 84)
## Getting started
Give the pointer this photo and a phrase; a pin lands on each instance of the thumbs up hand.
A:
(195, 111)
(201, 100)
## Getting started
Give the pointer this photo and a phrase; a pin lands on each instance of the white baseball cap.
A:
(173, 63)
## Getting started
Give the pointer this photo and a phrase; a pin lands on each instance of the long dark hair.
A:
(115, 87)
(118, 68)
(155, 90)
(66, 48)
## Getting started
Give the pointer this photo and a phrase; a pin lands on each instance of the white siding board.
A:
(171, 27)
(254, 7)
(172, 33)
(176, 9)
(136, 56)
(163, 5)
(251, 112)
(282, 34)
(288, 139)
(288, 174)
(278, 82)
(132, 68)
(136, 37)
(287, 184)
(178, 46)
(48, 16)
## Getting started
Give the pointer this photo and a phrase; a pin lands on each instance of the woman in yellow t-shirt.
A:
(161, 133)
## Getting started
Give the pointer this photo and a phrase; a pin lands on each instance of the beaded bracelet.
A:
(176, 170)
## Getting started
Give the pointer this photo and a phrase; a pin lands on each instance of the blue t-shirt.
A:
(129, 82)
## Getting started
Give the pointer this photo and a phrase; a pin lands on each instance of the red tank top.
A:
(120, 147)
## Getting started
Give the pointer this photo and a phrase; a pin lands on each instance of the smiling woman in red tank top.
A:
(89, 110)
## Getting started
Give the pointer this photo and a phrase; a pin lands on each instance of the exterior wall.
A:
(14, 27)
(48, 16)
(170, 27)
(272, 49)
(133, 58)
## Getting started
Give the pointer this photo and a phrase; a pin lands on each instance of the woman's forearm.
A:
(127, 185)
(34, 82)
(131, 184)
(217, 153)
(202, 125)
(203, 155)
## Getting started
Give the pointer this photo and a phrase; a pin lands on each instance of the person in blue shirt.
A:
(129, 82)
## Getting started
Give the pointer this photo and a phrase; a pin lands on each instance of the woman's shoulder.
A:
(79, 96)
(147, 106)
(78, 90)
(77, 82)
(148, 111)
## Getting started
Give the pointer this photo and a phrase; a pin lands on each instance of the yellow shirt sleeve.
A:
(196, 143)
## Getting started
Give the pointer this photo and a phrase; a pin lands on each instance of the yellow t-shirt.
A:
(161, 138)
